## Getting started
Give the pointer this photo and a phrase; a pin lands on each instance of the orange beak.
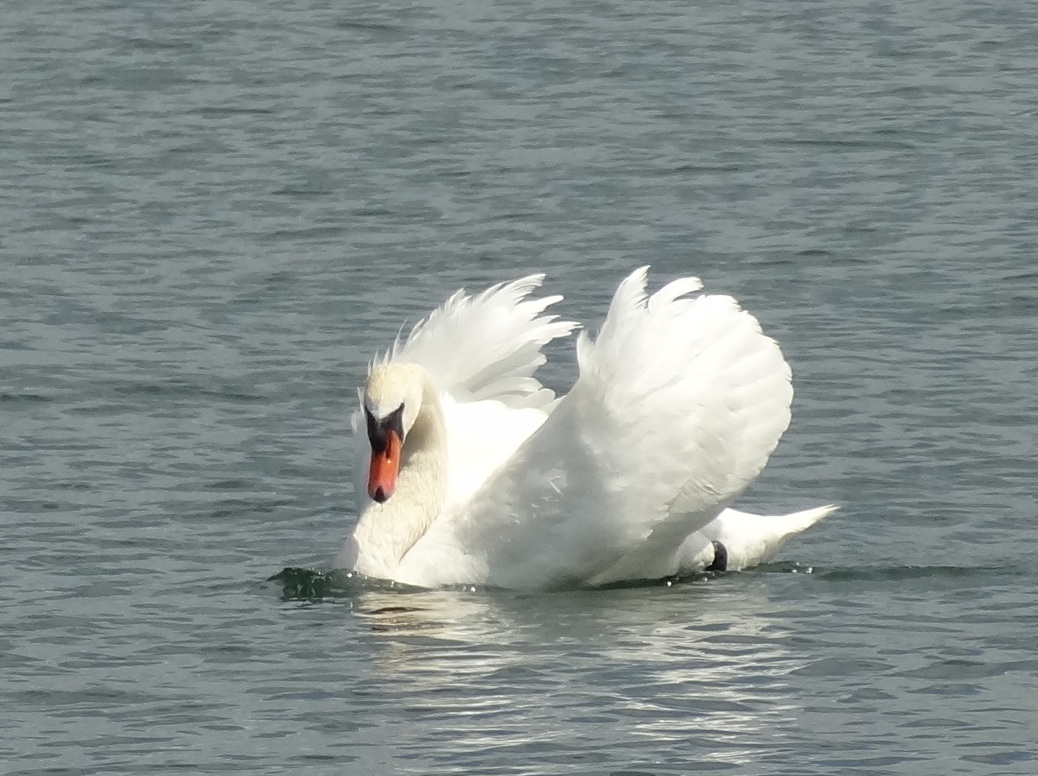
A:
(385, 466)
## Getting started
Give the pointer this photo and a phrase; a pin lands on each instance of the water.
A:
(211, 215)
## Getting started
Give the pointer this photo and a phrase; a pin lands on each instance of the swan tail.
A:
(753, 539)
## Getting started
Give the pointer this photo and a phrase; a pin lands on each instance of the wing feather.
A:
(487, 346)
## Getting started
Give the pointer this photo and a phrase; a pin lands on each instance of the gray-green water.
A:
(213, 213)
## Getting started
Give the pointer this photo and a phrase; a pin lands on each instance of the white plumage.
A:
(679, 402)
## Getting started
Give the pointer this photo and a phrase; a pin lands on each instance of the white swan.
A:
(470, 471)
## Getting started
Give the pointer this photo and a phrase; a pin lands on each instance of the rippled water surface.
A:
(213, 213)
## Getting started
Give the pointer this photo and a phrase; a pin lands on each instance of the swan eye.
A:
(378, 430)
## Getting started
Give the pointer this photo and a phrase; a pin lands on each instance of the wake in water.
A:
(307, 584)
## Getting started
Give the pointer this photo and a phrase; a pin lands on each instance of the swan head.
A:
(392, 400)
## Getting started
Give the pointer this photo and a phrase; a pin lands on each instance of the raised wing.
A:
(487, 346)
(679, 403)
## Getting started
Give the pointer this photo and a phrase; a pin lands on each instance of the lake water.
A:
(213, 213)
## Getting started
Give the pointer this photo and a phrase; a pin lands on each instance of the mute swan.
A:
(470, 471)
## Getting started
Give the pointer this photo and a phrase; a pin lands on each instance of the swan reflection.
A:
(700, 668)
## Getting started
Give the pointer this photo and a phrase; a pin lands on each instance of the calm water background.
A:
(211, 215)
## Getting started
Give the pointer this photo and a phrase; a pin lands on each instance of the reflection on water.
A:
(696, 667)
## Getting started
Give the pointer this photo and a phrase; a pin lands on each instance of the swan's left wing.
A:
(679, 403)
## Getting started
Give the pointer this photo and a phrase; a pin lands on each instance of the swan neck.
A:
(386, 532)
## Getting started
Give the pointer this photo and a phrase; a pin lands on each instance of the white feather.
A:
(487, 346)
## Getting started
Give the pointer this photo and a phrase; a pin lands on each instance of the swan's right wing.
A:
(679, 403)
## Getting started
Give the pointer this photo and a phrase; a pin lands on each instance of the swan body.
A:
(470, 471)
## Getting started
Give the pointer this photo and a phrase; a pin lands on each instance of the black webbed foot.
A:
(720, 562)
